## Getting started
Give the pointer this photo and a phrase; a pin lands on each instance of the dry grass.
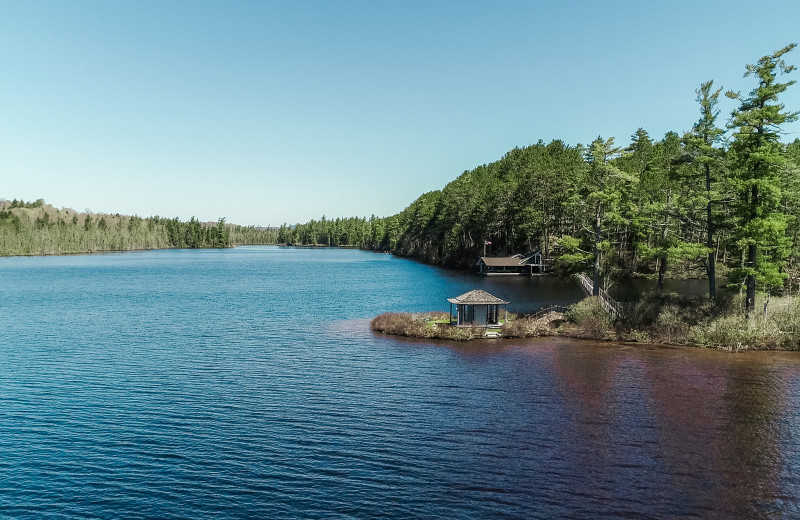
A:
(430, 326)
(423, 325)
(678, 320)
(667, 319)
(587, 320)
(526, 327)
(778, 328)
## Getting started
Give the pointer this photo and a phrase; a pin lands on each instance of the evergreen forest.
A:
(37, 228)
(719, 200)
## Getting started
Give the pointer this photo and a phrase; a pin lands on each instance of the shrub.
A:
(670, 317)
(423, 326)
(458, 333)
(731, 331)
(589, 320)
(587, 309)
(667, 310)
(399, 324)
(786, 316)
(527, 328)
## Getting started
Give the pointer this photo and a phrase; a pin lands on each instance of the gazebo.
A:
(477, 308)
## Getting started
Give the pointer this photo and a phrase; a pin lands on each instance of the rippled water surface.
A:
(245, 383)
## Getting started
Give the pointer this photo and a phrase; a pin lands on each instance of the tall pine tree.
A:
(700, 144)
(758, 156)
(602, 192)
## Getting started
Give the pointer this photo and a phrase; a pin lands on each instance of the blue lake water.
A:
(245, 383)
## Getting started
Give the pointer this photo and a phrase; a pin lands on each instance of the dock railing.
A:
(609, 304)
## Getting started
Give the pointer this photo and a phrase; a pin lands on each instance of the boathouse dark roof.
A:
(501, 261)
(532, 257)
(477, 297)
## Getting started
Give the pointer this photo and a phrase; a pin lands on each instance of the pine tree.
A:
(700, 144)
(758, 156)
(603, 191)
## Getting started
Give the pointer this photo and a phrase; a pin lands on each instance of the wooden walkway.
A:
(608, 303)
(544, 311)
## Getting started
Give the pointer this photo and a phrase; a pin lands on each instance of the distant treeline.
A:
(36, 228)
(727, 193)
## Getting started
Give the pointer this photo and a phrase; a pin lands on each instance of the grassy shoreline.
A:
(668, 319)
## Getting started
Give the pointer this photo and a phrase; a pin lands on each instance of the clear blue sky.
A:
(265, 112)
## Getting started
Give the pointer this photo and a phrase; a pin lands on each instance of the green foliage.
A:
(587, 309)
(674, 203)
(605, 197)
(590, 320)
(700, 185)
(758, 157)
(517, 203)
(572, 258)
(665, 318)
(40, 229)
(669, 206)
(28, 205)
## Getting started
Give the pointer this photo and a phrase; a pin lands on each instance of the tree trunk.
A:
(546, 248)
(662, 266)
(711, 267)
(596, 274)
(662, 270)
(751, 263)
(751, 281)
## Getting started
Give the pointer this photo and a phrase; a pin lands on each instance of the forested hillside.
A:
(36, 228)
(722, 197)
(725, 192)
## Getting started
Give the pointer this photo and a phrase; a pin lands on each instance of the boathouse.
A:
(477, 308)
(530, 263)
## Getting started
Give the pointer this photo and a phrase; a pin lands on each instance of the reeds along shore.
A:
(431, 325)
(435, 325)
(668, 319)
(696, 321)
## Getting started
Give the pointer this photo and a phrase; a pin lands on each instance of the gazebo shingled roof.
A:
(477, 297)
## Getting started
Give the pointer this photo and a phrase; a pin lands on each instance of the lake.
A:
(245, 383)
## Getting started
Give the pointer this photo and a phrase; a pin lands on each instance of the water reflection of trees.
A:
(752, 459)
(590, 451)
(671, 432)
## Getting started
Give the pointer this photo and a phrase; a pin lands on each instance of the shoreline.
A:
(673, 322)
(140, 250)
(101, 251)
(582, 336)
(98, 252)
